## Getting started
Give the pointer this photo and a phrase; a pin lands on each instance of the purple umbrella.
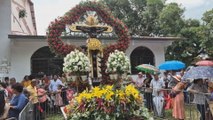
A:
(199, 72)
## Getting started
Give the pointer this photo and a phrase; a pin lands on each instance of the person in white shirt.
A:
(157, 85)
(139, 80)
(53, 87)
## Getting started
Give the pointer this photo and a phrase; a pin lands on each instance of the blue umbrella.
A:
(199, 72)
(172, 65)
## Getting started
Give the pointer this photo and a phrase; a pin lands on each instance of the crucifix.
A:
(95, 50)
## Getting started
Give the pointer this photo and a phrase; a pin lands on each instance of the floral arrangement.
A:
(107, 103)
(118, 62)
(77, 63)
(56, 28)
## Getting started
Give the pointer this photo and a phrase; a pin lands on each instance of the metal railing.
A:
(45, 110)
(191, 110)
(27, 112)
(49, 110)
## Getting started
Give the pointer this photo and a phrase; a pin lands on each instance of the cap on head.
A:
(140, 73)
(33, 80)
(177, 77)
(156, 73)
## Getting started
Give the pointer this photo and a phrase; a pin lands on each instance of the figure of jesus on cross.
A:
(92, 28)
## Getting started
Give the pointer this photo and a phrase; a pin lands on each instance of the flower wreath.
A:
(56, 28)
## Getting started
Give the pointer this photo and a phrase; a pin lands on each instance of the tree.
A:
(140, 16)
(150, 17)
(207, 42)
(198, 39)
(171, 20)
(187, 49)
(154, 17)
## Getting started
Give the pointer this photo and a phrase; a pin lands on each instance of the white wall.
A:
(5, 27)
(156, 46)
(21, 56)
(23, 49)
(22, 26)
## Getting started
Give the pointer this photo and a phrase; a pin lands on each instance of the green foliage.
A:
(22, 13)
(207, 42)
(171, 20)
(198, 39)
(155, 18)
(187, 49)
(140, 16)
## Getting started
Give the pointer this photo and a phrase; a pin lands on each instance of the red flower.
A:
(57, 27)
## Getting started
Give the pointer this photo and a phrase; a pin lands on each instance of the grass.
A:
(191, 113)
(55, 117)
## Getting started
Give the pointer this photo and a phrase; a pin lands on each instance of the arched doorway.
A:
(44, 61)
(141, 55)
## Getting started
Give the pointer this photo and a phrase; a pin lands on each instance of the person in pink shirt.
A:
(139, 80)
(42, 98)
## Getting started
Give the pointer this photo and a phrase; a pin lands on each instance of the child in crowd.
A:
(58, 98)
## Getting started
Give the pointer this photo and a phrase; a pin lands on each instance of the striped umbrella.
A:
(147, 68)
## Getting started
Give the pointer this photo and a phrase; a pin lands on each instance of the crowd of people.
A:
(171, 92)
(44, 93)
(160, 93)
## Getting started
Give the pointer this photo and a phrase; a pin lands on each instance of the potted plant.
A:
(118, 65)
(77, 65)
(22, 13)
(107, 103)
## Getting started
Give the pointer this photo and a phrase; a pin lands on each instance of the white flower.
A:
(118, 62)
(76, 61)
(79, 63)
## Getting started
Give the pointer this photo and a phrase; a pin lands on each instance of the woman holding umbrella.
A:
(199, 88)
(178, 111)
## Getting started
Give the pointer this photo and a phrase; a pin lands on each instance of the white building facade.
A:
(12, 22)
(23, 47)
(20, 44)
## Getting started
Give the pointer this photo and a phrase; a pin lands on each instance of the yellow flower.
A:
(109, 87)
(98, 94)
(95, 89)
(88, 96)
(109, 95)
(130, 90)
(120, 94)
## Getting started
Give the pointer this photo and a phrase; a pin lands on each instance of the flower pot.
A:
(115, 76)
(124, 76)
(74, 77)
(111, 76)
(69, 79)
(84, 77)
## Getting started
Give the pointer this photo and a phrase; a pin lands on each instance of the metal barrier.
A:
(191, 109)
(27, 112)
(49, 110)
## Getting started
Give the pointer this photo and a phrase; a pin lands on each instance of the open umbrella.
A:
(172, 65)
(205, 63)
(199, 72)
(147, 68)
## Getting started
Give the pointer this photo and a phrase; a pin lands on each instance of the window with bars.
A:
(44, 61)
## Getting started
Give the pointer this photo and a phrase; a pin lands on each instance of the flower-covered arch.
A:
(56, 28)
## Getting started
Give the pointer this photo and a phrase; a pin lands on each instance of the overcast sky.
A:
(47, 10)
